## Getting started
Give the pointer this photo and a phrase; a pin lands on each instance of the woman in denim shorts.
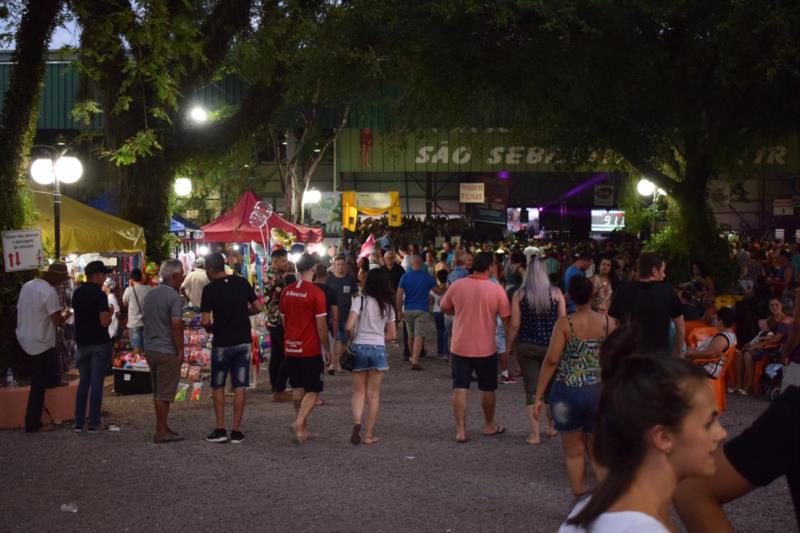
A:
(573, 356)
(370, 325)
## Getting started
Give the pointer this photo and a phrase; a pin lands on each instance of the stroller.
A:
(769, 386)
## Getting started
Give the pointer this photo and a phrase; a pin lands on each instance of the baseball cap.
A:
(305, 262)
(97, 267)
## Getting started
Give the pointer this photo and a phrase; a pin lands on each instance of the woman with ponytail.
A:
(657, 424)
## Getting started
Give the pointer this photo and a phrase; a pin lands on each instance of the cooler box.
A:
(132, 381)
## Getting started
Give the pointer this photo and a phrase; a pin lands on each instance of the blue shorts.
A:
(233, 359)
(574, 408)
(341, 334)
(369, 357)
(137, 337)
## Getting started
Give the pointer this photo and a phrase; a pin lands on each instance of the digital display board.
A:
(516, 223)
(606, 221)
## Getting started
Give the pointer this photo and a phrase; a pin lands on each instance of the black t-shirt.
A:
(770, 448)
(394, 275)
(228, 299)
(651, 305)
(89, 301)
(330, 301)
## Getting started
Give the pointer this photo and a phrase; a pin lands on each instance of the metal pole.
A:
(334, 164)
(57, 212)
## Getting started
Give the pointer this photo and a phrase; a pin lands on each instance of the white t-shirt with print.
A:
(370, 326)
(37, 302)
(128, 298)
(617, 522)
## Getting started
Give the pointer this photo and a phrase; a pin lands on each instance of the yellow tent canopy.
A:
(85, 229)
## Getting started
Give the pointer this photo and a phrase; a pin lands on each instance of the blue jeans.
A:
(92, 362)
(441, 334)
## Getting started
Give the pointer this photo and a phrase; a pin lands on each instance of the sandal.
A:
(415, 366)
(499, 430)
(169, 437)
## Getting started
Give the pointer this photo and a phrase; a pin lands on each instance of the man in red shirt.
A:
(306, 344)
(476, 302)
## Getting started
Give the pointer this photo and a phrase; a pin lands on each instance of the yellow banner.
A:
(372, 205)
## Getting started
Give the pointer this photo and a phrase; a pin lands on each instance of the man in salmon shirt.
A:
(476, 303)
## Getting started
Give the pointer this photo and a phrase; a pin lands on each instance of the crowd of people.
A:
(593, 330)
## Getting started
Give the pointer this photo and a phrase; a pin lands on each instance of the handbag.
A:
(347, 359)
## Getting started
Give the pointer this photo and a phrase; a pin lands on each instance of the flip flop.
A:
(499, 431)
(461, 441)
(167, 438)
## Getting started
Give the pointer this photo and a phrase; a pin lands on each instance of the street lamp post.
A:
(56, 169)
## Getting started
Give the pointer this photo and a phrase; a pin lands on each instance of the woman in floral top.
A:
(573, 356)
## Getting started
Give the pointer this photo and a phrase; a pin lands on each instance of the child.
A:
(435, 297)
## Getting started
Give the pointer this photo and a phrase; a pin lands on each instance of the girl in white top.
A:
(657, 424)
(370, 325)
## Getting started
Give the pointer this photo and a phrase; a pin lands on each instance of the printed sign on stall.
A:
(22, 250)
(471, 193)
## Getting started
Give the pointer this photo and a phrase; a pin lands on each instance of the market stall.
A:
(86, 234)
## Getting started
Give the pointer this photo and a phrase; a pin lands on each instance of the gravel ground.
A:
(415, 479)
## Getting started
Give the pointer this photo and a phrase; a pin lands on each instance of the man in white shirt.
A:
(38, 315)
(192, 287)
(133, 299)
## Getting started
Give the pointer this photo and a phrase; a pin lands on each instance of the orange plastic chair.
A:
(699, 334)
(692, 325)
(718, 384)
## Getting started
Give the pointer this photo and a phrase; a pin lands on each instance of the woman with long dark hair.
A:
(369, 326)
(657, 424)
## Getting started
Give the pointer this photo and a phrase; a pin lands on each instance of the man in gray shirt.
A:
(163, 333)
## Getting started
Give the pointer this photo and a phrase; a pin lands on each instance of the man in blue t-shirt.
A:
(578, 268)
(412, 298)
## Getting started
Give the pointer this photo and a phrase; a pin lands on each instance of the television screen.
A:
(606, 221)
(516, 220)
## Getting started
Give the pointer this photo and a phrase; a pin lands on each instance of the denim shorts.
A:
(369, 357)
(574, 408)
(233, 359)
(137, 337)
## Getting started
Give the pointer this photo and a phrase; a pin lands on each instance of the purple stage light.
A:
(503, 174)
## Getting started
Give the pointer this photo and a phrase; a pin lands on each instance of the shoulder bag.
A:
(347, 359)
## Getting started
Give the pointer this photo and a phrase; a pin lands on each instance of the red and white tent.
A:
(234, 225)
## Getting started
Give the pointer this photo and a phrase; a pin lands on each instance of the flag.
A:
(368, 247)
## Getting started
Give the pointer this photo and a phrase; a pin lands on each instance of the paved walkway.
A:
(415, 479)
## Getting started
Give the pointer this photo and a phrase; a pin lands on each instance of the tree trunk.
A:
(20, 109)
(144, 194)
(17, 129)
(698, 226)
